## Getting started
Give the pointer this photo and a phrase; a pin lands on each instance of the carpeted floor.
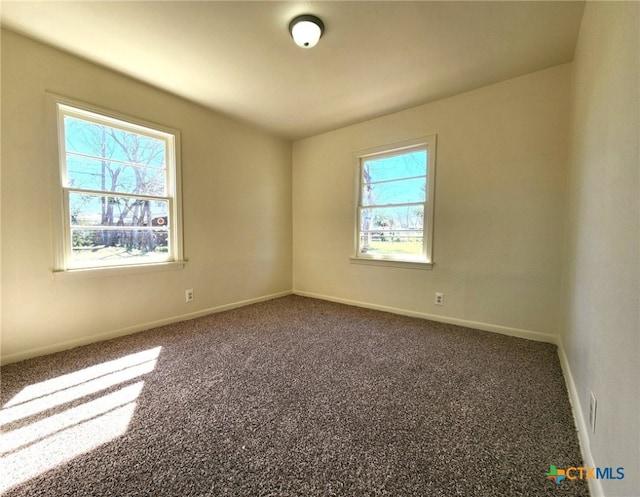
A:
(291, 397)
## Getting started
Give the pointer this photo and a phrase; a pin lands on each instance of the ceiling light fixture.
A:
(306, 30)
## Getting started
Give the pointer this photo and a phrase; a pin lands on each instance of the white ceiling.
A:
(375, 57)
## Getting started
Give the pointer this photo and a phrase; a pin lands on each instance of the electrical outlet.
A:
(188, 295)
(593, 410)
(439, 298)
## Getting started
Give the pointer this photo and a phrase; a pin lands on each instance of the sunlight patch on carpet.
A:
(44, 425)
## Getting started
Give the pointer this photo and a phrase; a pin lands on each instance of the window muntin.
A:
(120, 198)
(395, 205)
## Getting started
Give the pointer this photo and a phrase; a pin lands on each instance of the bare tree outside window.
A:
(116, 185)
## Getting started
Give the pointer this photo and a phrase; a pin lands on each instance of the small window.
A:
(118, 192)
(395, 207)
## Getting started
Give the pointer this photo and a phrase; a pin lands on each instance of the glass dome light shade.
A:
(306, 31)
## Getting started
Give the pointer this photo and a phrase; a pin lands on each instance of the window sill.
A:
(392, 263)
(86, 273)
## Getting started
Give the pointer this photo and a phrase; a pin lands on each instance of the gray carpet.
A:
(295, 397)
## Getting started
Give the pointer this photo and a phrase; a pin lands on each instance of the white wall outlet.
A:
(439, 298)
(188, 295)
(593, 410)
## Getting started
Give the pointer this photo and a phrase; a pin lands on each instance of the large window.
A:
(395, 207)
(118, 191)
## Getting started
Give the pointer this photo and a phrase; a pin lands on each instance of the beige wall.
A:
(237, 210)
(600, 339)
(500, 185)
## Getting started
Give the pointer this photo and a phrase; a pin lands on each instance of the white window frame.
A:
(64, 265)
(425, 260)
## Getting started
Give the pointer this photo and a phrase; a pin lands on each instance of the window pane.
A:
(395, 192)
(392, 231)
(101, 174)
(102, 141)
(105, 228)
(392, 218)
(101, 157)
(125, 244)
(396, 167)
(104, 211)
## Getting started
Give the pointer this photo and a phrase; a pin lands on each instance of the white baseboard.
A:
(595, 485)
(99, 337)
(504, 330)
